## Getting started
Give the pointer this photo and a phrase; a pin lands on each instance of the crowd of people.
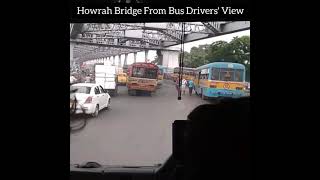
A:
(79, 77)
(185, 85)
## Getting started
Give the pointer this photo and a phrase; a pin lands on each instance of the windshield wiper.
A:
(89, 165)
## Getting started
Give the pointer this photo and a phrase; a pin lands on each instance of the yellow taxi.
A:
(122, 78)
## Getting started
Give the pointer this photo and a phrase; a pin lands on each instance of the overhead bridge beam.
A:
(120, 45)
(225, 28)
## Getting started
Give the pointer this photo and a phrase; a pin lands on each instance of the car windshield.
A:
(81, 89)
(126, 119)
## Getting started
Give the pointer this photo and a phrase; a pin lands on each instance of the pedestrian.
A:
(190, 85)
(184, 86)
(177, 85)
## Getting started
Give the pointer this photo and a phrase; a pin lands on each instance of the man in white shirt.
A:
(184, 86)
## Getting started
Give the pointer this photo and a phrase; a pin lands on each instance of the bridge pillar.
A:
(114, 60)
(125, 59)
(119, 60)
(160, 57)
(135, 57)
(146, 55)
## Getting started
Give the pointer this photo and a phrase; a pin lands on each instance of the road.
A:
(135, 131)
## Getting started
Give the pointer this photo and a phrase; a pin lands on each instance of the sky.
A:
(187, 46)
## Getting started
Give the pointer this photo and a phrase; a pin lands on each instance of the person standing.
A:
(177, 85)
(190, 85)
(184, 86)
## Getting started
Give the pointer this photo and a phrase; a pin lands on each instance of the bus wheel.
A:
(203, 97)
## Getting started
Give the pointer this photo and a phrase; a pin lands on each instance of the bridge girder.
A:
(135, 37)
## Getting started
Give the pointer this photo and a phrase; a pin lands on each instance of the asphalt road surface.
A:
(135, 131)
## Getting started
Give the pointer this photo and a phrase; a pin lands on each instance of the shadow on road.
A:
(78, 123)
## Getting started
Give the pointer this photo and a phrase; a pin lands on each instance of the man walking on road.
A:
(184, 86)
(190, 85)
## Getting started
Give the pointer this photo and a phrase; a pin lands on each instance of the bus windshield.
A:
(227, 74)
(142, 72)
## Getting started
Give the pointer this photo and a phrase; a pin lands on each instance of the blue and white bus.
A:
(220, 79)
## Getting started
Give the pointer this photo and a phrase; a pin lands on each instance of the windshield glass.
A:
(81, 89)
(142, 72)
(227, 74)
(126, 120)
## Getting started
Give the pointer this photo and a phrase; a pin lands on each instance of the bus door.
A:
(197, 81)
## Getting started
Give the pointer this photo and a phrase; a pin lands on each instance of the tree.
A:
(241, 52)
(196, 57)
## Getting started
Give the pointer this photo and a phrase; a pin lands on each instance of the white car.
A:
(90, 98)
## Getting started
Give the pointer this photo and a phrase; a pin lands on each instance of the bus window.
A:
(226, 74)
(151, 73)
(238, 75)
(138, 72)
(204, 76)
(215, 74)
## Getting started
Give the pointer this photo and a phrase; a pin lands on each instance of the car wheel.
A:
(96, 111)
(109, 103)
